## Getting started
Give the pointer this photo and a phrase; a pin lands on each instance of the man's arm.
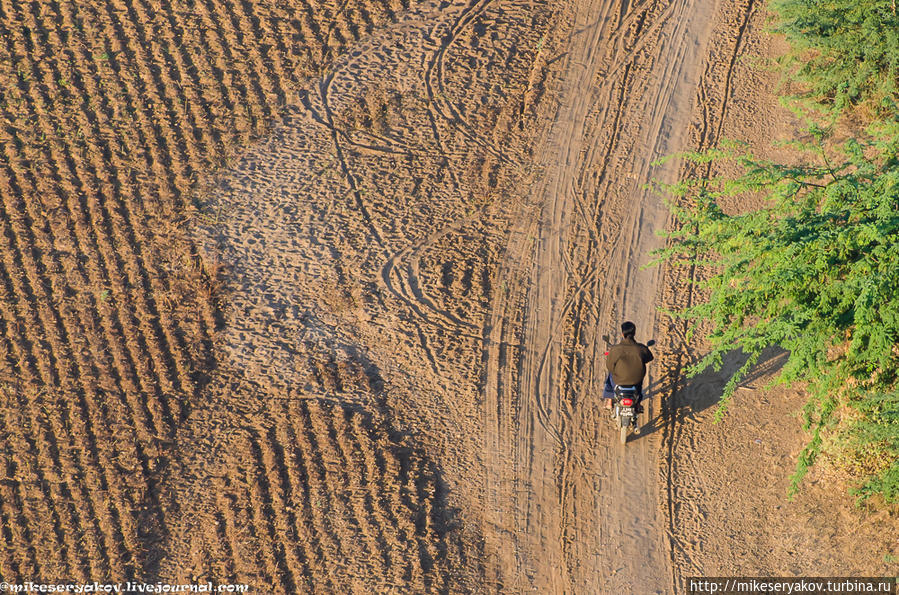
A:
(647, 354)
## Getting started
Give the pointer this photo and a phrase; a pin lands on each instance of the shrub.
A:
(846, 52)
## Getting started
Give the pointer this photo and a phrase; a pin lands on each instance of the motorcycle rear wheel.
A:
(622, 435)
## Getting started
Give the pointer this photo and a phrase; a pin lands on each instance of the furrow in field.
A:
(356, 492)
(296, 553)
(40, 540)
(63, 230)
(297, 485)
(354, 529)
(223, 559)
(231, 510)
(70, 173)
(8, 565)
(268, 512)
(69, 375)
(384, 519)
(319, 499)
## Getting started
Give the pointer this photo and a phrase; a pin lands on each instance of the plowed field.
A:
(110, 114)
(308, 294)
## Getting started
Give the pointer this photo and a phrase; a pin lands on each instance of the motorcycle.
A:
(624, 413)
(625, 408)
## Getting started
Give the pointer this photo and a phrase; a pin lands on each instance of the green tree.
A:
(815, 271)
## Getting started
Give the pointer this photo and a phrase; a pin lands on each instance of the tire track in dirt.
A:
(409, 289)
(324, 88)
(434, 76)
(406, 264)
(441, 109)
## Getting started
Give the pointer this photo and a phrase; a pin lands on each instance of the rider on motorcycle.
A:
(626, 363)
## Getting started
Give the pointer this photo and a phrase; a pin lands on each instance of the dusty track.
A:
(625, 100)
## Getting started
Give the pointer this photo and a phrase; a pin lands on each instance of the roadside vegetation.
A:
(814, 269)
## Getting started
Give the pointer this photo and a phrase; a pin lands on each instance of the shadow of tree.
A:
(674, 397)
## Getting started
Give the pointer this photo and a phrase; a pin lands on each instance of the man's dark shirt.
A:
(627, 361)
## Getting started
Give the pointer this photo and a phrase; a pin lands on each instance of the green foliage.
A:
(814, 271)
(845, 51)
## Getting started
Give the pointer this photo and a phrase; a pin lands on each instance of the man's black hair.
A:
(628, 329)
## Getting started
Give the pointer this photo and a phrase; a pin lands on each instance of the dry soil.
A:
(310, 296)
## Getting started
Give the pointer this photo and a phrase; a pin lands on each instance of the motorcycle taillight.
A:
(627, 402)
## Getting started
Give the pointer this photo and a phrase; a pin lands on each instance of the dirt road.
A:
(588, 520)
